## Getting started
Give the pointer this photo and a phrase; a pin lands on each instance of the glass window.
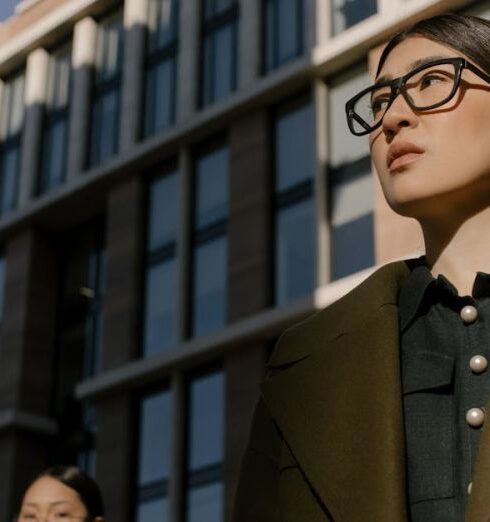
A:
(11, 125)
(206, 449)
(350, 182)
(86, 458)
(283, 31)
(294, 207)
(209, 300)
(219, 56)
(55, 131)
(161, 269)
(154, 457)
(347, 13)
(106, 90)
(161, 65)
(7, 8)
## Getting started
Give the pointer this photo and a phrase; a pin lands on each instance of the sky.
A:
(7, 8)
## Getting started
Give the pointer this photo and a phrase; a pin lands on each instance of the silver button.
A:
(469, 314)
(475, 417)
(478, 363)
(470, 486)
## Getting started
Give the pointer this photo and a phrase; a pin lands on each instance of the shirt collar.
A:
(420, 285)
(413, 291)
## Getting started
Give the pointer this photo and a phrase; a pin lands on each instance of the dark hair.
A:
(87, 489)
(468, 34)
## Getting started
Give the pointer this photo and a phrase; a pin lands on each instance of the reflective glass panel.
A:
(163, 211)
(350, 180)
(155, 438)
(162, 23)
(209, 291)
(295, 248)
(288, 37)
(54, 155)
(104, 126)
(59, 79)
(347, 13)
(294, 147)
(206, 414)
(353, 246)
(156, 510)
(160, 306)
(215, 7)
(9, 179)
(160, 96)
(212, 187)
(205, 503)
(12, 110)
(7, 8)
(109, 48)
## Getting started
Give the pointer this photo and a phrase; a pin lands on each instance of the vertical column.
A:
(249, 280)
(124, 243)
(249, 43)
(188, 69)
(83, 60)
(177, 484)
(135, 16)
(35, 97)
(26, 363)
(115, 455)
(320, 103)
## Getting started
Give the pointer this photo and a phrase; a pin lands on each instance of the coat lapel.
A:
(335, 394)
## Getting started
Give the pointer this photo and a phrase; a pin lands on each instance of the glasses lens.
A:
(431, 85)
(369, 108)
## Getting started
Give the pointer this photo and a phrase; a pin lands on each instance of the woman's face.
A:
(451, 170)
(49, 499)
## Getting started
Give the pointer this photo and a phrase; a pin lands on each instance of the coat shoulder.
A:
(346, 314)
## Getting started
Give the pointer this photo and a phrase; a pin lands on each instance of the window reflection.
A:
(350, 183)
(206, 449)
(160, 315)
(219, 67)
(347, 13)
(209, 287)
(55, 128)
(161, 65)
(11, 125)
(154, 459)
(283, 31)
(294, 219)
(106, 91)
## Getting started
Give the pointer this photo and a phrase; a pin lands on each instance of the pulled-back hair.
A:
(467, 34)
(87, 489)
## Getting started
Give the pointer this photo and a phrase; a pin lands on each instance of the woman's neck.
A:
(459, 249)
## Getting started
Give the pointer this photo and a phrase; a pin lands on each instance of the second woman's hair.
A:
(467, 34)
(87, 489)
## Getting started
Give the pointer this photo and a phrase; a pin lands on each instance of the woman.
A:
(373, 410)
(62, 494)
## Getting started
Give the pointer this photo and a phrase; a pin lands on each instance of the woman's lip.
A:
(404, 159)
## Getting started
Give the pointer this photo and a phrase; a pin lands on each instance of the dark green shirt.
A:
(439, 387)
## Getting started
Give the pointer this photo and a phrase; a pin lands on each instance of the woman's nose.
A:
(398, 115)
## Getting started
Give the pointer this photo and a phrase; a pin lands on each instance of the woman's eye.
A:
(61, 516)
(429, 80)
(27, 517)
(379, 104)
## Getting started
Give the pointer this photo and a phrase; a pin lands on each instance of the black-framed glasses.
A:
(426, 87)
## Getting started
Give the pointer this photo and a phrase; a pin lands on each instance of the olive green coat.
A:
(327, 440)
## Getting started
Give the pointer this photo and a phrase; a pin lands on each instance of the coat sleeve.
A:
(256, 497)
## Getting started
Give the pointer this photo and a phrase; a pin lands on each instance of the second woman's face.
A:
(448, 168)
